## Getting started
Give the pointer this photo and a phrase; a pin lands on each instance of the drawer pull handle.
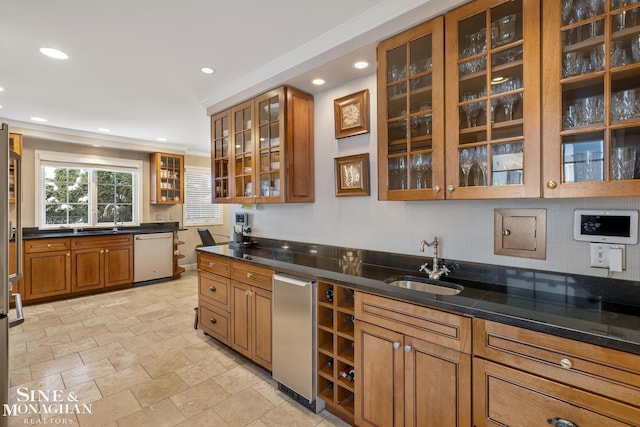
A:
(407, 349)
(396, 345)
(212, 288)
(49, 245)
(214, 321)
(211, 264)
(566, 364)
(249, 275)
(561, 422)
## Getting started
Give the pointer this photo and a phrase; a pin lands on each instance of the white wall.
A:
(464, 227)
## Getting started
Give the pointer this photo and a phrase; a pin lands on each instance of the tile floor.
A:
(134, 356)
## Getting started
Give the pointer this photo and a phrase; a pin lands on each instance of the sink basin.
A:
(424, 284)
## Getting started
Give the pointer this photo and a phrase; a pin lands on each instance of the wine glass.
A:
(399, 171)
(419, 166)
(466, 161)
(494, 104)
(481, 159)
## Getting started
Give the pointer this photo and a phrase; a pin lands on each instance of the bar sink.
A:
(423, 284)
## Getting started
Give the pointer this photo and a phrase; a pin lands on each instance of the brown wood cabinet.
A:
(489, 101)
(177, 256)
(590, 72)
(167, 179)
(214, 296)
(411, 114)
(262, 149)
(336, 348)
(47, 268)
(523, 377)
(413, 364)
(15, 145)
(99, 262)
(251, 312)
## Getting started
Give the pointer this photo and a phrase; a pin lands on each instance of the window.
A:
(198, 209)
(92, 192)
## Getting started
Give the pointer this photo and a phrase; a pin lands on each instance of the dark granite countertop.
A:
(144, 228)
(595, 310)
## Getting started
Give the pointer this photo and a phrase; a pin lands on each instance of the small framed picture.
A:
(352, 114)
(352, 175)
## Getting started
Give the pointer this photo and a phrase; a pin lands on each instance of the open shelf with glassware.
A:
(167, 178)
(336, 348)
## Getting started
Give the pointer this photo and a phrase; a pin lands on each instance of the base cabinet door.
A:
(261, 351)
(87, 267)
(508, 397)
(241, 318)
(47, 274)
(379, 382)
(437, 385)
(118, 265)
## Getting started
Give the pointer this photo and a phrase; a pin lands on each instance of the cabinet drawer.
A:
(214, 264)
(435, 326)
(507, 397)
(252, 275)
(612, 373)
(101, 241)
(214, 289)
(46, 245)
(214, 322)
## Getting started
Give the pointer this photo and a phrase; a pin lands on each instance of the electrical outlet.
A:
(171, 217)
(159, 217)
(610, 256)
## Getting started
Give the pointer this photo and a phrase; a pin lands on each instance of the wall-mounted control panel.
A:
(606, 226)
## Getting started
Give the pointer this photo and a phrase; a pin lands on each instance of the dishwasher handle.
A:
(153, 236)
(292, 280)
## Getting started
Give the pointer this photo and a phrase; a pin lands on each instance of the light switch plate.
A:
(601, 256)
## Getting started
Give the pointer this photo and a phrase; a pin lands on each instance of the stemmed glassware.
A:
(467, 158)
(481, 159)
(420, 163)
(399, 171)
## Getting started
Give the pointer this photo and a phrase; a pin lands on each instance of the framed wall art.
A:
(352, 175)
(352, 114)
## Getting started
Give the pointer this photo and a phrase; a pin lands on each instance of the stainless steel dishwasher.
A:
(152, 256)
(294, 364)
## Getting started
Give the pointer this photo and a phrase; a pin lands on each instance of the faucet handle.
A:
(425, 268)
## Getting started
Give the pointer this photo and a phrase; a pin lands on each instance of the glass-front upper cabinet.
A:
(592, 88)
(270, 128)
(411, 114)
(242, 140)
(493, 100)
(220, 155)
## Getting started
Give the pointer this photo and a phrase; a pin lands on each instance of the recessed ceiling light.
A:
(360, 65)
(38, 119)
(96, 145)
(104, 130)
(161, 139)
(0, 106)
(53, 53)
(1, 89)
(318, 82)
(207, 70)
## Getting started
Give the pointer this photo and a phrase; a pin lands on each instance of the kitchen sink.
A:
(424, 284)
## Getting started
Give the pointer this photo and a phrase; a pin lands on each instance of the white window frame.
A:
(59, 159)
(198, 221)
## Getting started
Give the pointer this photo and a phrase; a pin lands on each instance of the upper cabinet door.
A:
(167, 179)
(493, 100)
(270, 130)
(242, 146)
(220, 157)
(591, 98)
(411, 114)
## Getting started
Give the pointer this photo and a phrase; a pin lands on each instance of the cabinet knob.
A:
(506, 232)
(211, 264)
(212, 288)
(396, 345)
(249, 275)
(561, 422)
(49, 245)
(101, 251)
(566, 363)
(436, 188)
(450, 188)
(68, 253)
(552, 184)
(407, 349)
(106, 250)
(214, 321)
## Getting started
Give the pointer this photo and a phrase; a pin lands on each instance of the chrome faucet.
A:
(437, 270)
(115, 214)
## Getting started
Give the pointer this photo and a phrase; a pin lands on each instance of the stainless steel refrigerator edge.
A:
(294, 364)
(7, 278)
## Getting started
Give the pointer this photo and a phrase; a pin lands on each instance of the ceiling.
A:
(134, 66)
